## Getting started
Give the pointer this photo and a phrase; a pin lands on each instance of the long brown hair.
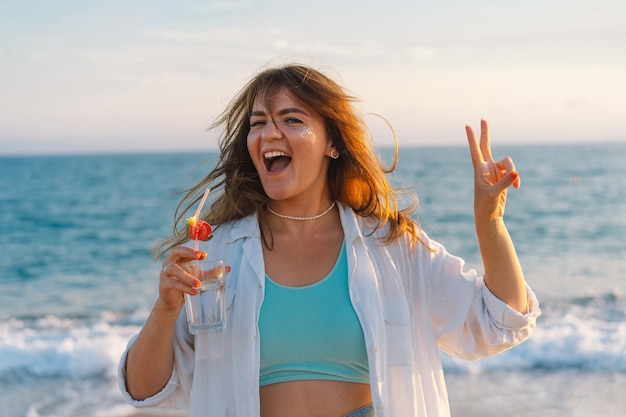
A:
(356, 179)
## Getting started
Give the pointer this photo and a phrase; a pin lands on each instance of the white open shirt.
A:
(410, 304)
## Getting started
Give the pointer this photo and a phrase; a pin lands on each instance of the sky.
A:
(80, 76)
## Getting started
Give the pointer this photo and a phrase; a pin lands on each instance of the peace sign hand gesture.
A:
(503, 273)
(491, 178)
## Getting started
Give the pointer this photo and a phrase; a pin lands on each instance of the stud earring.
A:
(334, 154)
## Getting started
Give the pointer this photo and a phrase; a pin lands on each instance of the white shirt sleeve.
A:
(173, 395)
(469, 320)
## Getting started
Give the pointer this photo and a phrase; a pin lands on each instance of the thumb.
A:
(511, 178)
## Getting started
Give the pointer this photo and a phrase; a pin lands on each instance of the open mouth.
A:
(276, 161)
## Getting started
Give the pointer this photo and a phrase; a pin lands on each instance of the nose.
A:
(270, 131)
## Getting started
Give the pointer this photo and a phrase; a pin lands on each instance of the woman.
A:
(337, 301)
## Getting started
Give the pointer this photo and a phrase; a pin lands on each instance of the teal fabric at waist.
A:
(312, 332)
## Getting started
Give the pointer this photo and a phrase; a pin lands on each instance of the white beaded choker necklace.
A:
(302, 219)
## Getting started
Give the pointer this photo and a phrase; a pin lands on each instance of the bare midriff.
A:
(315, 398)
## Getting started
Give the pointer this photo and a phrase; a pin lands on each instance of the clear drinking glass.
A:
(206, 311)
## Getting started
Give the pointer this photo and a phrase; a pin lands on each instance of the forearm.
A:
(150, 360)
(503, 272)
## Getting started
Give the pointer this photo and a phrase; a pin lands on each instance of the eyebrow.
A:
(281, 112)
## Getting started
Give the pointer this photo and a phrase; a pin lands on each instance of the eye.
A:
(256, 123)
(292, 120)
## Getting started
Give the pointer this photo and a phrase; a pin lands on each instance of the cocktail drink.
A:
(206, 311)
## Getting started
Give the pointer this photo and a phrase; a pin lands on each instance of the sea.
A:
(77, 276)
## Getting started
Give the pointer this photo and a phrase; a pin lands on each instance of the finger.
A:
(517, 180)
(511, 178)
(506, 164)
(508, 168)
(178, 273)
(174, 285)
(485, 140)
(181, 254)
(477, 157)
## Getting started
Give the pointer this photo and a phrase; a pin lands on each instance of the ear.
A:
(329, 148)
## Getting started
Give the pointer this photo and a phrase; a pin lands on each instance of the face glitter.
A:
(304, 132)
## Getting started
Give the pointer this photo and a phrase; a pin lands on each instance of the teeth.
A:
(274, 154)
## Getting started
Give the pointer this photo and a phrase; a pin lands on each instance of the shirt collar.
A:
(246, 227)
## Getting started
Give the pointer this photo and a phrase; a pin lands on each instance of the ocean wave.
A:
(585, 333)
(56, 347)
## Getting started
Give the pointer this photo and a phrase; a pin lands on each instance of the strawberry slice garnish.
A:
(199, 230)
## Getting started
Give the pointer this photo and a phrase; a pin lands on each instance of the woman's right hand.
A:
(175, 281)
(150, 358)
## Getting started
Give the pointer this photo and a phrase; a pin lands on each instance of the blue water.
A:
(77, 277)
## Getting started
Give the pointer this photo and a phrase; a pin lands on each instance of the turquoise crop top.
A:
(312, 332)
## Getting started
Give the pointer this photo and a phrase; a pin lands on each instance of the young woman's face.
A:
(289, 147)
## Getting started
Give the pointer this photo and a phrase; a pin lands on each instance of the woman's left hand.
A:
(491, 178)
